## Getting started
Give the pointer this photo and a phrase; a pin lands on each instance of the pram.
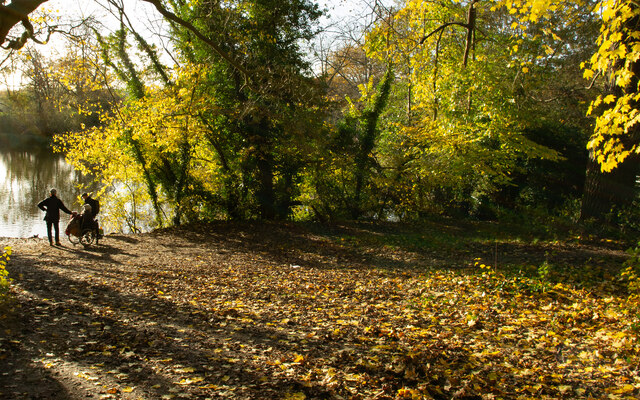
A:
(86, 233)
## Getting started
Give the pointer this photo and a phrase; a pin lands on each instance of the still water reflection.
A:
(25, 179)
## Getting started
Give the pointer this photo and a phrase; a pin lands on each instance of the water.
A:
(27, 174)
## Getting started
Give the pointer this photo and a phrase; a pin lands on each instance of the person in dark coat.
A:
(52, 206)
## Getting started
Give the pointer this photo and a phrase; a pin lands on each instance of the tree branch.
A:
(14, 12)
(173, 17)
(442, 27)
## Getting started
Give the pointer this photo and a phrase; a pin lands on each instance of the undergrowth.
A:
(4, 274)
(4, 280)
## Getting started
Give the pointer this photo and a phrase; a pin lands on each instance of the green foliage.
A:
(4, 280)
(481, 116)
(344, 183)
(459, 129)
(260, 128)
(627, 218)
(548, 184)
(198, 147)
(615, 137)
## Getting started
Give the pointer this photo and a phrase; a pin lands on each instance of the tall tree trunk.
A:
(260, 140)
(266, 194)
(604, 190)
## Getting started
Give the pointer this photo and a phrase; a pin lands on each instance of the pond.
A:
(27, 173)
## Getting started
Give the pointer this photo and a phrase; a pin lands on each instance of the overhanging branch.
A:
(13, 13)
(442, 27)
(173, 17)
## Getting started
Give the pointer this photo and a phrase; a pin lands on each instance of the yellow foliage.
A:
(616, 42)
(156, 126)
(4, 280)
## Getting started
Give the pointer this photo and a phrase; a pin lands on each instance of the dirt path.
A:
(269, 312)
(158, 316)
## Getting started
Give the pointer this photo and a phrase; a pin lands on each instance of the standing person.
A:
(52, 206)
(94, 209)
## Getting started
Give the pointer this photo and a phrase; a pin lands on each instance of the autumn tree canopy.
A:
(457, 107)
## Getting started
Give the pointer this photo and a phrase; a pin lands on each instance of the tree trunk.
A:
(604, 190)
(266, 194)
(260, 139)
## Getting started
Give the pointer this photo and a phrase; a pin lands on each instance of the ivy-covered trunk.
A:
(367, 139)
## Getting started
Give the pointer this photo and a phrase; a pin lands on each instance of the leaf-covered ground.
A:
(266, 311)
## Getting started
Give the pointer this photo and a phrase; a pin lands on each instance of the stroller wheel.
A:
(88, 237)
(73, 239)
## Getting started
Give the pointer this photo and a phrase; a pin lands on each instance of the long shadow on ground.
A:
(231, 311)
(385, 246)
(82, 335)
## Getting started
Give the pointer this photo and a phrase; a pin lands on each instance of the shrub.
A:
(4, 280)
